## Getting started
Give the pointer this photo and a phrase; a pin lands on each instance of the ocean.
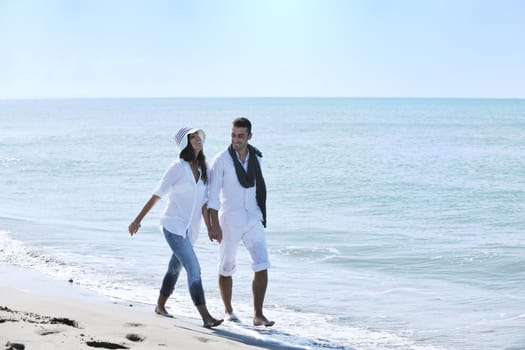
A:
(392, 223)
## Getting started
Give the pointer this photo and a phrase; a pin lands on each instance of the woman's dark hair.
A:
(188, 154)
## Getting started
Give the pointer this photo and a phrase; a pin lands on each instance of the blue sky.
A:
(324, 48)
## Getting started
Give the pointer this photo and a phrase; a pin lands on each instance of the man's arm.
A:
(216, 230)
(214, 191)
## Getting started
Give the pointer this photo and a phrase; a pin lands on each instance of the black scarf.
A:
(252, 177)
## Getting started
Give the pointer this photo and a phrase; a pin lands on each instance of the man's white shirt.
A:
(236, 205)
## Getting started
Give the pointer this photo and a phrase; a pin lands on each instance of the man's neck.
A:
(243, 152)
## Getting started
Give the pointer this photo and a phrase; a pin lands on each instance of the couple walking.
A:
(231, 198)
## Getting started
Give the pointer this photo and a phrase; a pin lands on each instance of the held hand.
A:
(215, 233)
(219, 235)
(133, 228)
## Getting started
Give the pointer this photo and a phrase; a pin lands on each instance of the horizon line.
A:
(253, 97)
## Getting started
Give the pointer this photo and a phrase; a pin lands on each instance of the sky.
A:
(272, 48)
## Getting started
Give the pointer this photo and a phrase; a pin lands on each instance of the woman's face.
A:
(195, 142)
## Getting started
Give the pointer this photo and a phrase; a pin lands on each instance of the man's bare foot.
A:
(262, 321)
(162, 311)
(231, 317)
(212, 323)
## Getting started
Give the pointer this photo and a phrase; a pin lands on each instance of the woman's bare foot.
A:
(262, 321)
(212, 322)
(162, 311)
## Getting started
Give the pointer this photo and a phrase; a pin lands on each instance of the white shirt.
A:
(236, 205)
(186, 197)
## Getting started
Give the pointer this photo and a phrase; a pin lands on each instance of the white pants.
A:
(254, 240)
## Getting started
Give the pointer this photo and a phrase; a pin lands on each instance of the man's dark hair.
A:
(242, 122)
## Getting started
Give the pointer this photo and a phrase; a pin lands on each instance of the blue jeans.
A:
(183, 255)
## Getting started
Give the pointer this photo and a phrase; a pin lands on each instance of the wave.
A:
(106, 282)
(310, 253)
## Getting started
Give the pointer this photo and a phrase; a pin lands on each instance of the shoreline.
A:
(41, 313)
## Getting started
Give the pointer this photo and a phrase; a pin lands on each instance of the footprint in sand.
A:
(203, 340)
(14, 346)
(47, 332)
(131, 324)
(65, 321)
(135, 337)
(105, 345)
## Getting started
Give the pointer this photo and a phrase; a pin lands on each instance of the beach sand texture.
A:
(32, 321)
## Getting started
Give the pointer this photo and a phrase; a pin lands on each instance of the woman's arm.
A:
(135, 224)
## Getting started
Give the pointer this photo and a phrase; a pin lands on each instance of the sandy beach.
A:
(32, 320)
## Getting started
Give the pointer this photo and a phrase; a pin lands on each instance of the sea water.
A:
(392, 223)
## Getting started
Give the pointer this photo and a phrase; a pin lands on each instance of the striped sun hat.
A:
(182, 136)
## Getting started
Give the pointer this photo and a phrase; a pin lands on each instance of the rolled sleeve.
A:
(171, 176)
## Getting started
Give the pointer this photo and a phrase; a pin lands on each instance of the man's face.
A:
(240, 138)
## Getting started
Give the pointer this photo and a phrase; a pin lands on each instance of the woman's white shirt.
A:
(185, 198)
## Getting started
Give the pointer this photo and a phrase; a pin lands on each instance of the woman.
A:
(185, 185)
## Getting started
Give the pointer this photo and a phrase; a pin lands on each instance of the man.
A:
(237, 189)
